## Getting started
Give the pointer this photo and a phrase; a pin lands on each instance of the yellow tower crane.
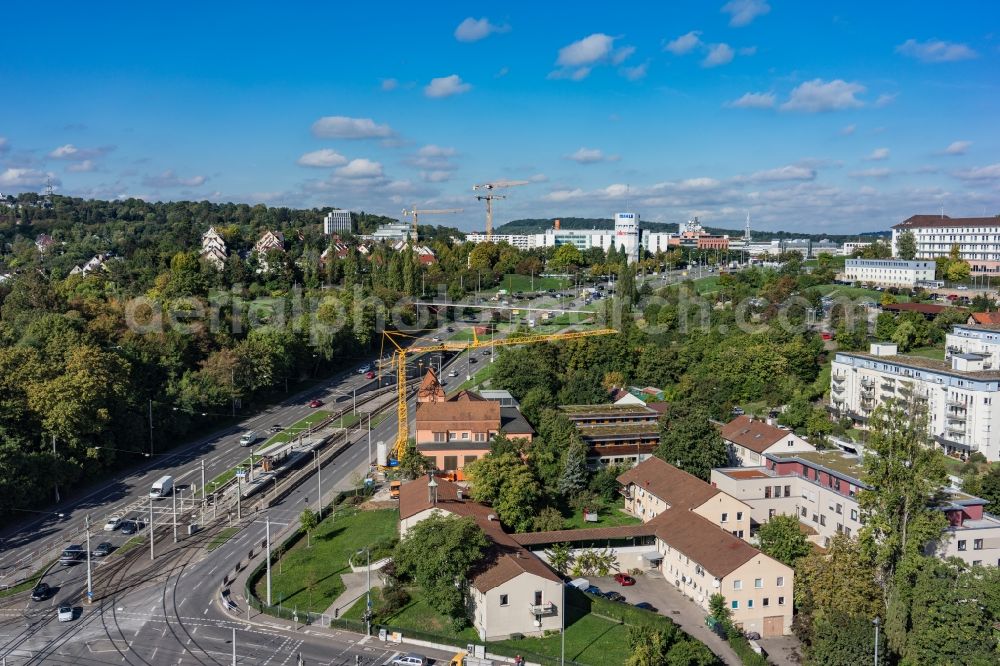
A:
(399, 360)
(415, 213)
(490, 196)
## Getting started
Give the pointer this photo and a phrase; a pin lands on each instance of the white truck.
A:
(248, 438)
(162, 488)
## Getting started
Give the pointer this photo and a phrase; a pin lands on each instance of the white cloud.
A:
(634, 73)
(446, 86)
(621, 55)
(819, 95)
(360, 168)
(559, 196)
(885, 99)
(472, 30)
(502, 72)
(743, 12)
(875, 172)
(325, 157)
(436, 176)
(790, 172)
(590, 156)
(71, 152)
(685, 43)
(878, 154)
(430, 150)
(991, 172)
(753, 100)
(25, 178)
(848, 130)
(343, 127)
(957, 147)
(434, 161)
(748, 50)
(539, 178)
(936, 50)
(587, 51)
(82, 167)
(718, 54)
(169, 179)
(389, 84)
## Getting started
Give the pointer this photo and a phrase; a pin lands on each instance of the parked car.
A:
(370, 375)
(450, 329)
(645, 605)
(593, 589)
(41, 592)
(130, 527)
(826, 335)
(410, 659)
(365, 368)
(103, 548)
(737, 411)
(962, 287)
(624, 579)
(114, 522)
(65, 613)
(315, 403)
(614, 596)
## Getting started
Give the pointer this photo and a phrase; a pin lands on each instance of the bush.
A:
(741, 646)
(977, 457)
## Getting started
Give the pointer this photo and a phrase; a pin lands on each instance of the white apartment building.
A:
(889, 272)
(851, 246)
(337, 222)
(977, 238)
(519, 241)
(821, 488)
(624, 234)
(961, 396)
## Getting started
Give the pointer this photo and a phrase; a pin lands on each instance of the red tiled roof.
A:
(986, 318)
(752, 434)
(586, 534)
(430, 388)
(916, 221)
(670, 484)
(479, 416)
(717, 550)
(505, 560)
(922, 308)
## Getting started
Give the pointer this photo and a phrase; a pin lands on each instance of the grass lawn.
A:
(608, 516)
(479, 376)
(839, 290)
(589, 640)
(936, 353)
(707, 284)
(132, 543)
(320, 565)
(221, 538)
(513, 282)
(415, 615)
(346, 421)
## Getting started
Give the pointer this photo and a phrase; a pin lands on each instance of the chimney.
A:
(557, 225)
(458, 494)
(432, 491)
(770, 421)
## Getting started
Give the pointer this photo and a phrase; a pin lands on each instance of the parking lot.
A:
(668, 601)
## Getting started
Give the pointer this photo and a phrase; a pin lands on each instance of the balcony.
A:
(867, 393)
(837, 389)
(548, 608)
(839, 378)
(888, 385)
(955, 429)
(955, 404)
(868, 381)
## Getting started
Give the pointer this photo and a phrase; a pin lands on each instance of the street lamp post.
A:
(90, 580)
(173, 501)
(267, 533)
(877, 622)
(152, 555)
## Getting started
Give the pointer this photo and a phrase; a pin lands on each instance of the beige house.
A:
(512, 591)
(653, 486)
(748, 439)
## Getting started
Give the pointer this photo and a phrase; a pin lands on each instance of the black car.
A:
(103, 548)
(41, 592)
(645, 605)
(472, 359)
(129, 527)
(614, 596)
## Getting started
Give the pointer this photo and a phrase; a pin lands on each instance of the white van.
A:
(162, 488)
(248, 438)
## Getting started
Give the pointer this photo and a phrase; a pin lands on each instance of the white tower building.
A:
(627, 234)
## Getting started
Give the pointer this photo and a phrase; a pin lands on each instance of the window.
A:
(451, 462)
(735, 605)
(725, 517)
(758, 583)
(739, 515)
(976, 563)
(503, 599)
(840, 508)
(961, 544)
(737, 584)
(480, 436)
(465, 435)
(781, 601)
(440, 436)
(771, 513)
(854, 514)
(538, 597)
(802, 512)
(739, 533)
(822, 521)
(767, 492)
(749, 603)
(977, 544)
(468, 460)
(788, 491)
(781, 581)
(765, 602)
(777, 491)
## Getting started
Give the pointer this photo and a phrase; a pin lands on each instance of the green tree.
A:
(574, 472)
(560, 557)
(904, 335)
(566, 256)
(781, 538)
(437, 554)
(412, 463)
(989, 489)
(905, 476)
(689, 441)
(309, 521)
(959, 271)
(841, 639)
(507, 484)
(906, 246)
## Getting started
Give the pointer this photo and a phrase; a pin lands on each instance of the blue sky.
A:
(813, 118)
